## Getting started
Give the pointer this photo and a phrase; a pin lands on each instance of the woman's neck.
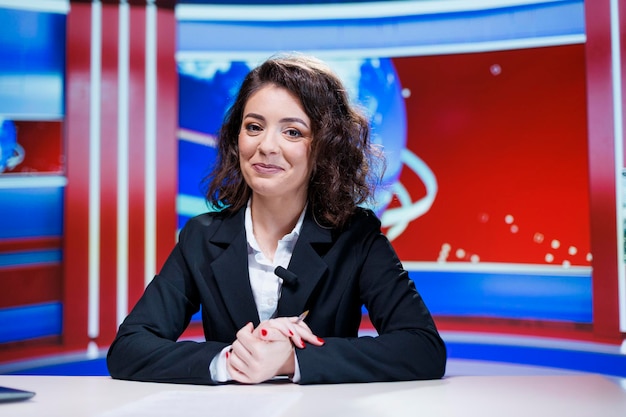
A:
(272, 219)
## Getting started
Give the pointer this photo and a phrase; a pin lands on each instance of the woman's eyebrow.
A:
(283, 120)
(254, 116)
(294, 120)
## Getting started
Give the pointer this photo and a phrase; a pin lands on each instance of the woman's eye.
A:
(293, 133)
(253, 127)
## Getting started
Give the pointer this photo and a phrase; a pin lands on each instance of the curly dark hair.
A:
(343, 159)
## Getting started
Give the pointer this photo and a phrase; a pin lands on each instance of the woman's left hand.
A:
(289, 327)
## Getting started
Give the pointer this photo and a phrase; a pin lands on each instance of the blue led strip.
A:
(579, 360)
(30, 322)
(30, 258)
(515, 295)
(89, 367)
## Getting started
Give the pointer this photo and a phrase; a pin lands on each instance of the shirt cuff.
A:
(296, 370)
(217, 368)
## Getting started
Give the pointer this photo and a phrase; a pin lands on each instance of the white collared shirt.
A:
(266, 285)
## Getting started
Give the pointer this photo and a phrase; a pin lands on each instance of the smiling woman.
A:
(294, 162)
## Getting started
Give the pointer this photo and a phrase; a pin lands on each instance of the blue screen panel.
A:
(30, 322)
(32, 64)
(398, 34)
(31, 212)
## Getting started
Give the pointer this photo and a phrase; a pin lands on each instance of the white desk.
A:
(557, 396)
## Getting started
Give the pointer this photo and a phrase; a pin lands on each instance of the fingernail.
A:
(290, 333)
(227, 355)
(303, 345)
(263, 332)
(319, 339)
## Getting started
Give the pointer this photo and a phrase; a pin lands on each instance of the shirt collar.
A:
(252, 242)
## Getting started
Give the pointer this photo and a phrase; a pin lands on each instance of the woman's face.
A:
(275, 144)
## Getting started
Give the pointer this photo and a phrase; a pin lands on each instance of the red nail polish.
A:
(227, 355)
(319, 339)
(290, 333)
(303, 345)
(263, 332)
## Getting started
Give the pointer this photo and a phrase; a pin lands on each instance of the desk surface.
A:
(562, 395)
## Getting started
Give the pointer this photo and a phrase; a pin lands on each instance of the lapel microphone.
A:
(289, 278)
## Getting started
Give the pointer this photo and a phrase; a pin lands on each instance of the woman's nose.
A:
(269, 142)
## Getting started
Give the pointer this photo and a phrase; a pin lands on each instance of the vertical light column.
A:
(93, 329)
(118, 224)
(123, 161)
(618, 127)
(604, 168)
(151, 141)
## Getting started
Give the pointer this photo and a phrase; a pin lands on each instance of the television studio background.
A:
(501, 120)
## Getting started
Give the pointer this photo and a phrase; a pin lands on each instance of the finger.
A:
(243, 345)
(234, 368)
(240, 355)
(270, 333)
(248, 328)
(301, 332)
(280, 329)
(296, 330)
(282, 324)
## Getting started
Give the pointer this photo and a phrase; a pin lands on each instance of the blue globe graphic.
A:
(9, 148)
(380, 92)
(207, 89)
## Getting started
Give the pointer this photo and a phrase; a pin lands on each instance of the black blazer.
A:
(338, 271)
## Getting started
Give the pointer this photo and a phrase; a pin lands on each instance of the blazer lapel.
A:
(308, 265)
(231, 270)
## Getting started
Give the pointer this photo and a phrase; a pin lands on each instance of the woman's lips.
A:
(266, 168)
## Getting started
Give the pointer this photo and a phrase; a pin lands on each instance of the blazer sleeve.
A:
(408, 345)
(146, 346)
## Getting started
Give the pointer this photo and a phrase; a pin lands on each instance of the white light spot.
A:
(555, 244)
(589, 257)
(514, 228)
(566, 264)
(549, 257)
(495, 69)
(538, 238)
(572, 250)
(443, 253)
(406, 92)
(460, 253)
(508, 219)
(475, 258)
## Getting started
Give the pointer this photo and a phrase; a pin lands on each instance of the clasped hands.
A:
(261, 353)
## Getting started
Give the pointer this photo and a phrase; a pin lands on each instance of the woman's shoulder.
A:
(204, 224)
(363, 219)
(205, 219)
